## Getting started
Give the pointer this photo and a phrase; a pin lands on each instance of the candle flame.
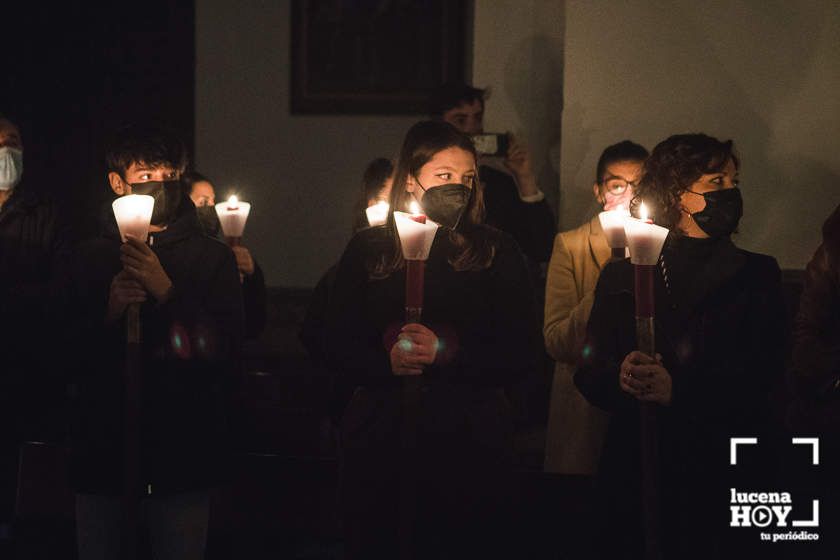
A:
(643, 212)
(414, 208)
(233, 202)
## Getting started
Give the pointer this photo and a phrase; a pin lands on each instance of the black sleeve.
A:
(221, 305)
(254, 299)
(597, 374)
(354, 346)
(506, 348)
(816, 349)
(45, 300)
(537, 230)
(313, 330)
(532, 224)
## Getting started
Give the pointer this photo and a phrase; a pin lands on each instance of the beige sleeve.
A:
(565, 317)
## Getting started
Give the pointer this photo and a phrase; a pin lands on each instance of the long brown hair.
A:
(472, 248)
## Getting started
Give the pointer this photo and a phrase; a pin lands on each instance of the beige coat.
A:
(575, 428)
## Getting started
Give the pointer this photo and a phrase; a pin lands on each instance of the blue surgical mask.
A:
(11, 167)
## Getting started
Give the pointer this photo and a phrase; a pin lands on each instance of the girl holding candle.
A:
(477, 335)
(719, 332)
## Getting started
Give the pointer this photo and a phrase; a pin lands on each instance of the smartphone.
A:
(491, 144)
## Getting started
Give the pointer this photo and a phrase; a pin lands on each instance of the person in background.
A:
(575, 430)
(440, 488)
(35, 247)
(815, 377)
(720, 342)
(376, 186)
(203, 195)
(191, 318)
(513, 201)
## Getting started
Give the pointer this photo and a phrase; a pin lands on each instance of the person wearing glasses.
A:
(575, 428)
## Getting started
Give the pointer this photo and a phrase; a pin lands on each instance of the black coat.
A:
(532, 224)
(254, 300)
(720, 328)
(190, 348)
(35, 248)
(463, 450)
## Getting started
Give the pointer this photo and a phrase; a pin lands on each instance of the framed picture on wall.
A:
(374, 56)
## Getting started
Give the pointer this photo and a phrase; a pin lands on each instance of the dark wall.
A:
(73, 72)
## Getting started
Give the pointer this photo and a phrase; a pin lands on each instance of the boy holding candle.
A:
(191, 329)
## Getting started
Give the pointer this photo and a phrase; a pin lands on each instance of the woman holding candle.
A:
(719, 335)
(575, 428)
(477, 335)
(203, 195)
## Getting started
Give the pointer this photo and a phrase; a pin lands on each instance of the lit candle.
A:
(644, 238)
(645, 241)
(233, 215)
(416, 214)
(416, 236)
(612, 222)
(134, 214)
(377, 214)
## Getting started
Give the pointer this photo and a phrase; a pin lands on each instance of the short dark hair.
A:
(190, 178)
(673, 166)
(623, 151)
(451, 95)
(373, 181)
(148, 144)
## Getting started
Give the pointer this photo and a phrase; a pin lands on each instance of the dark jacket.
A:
(464, 433)
(254, 301)
(816, 350)
(189, 355)
(720, 328)
(532, 224)
(35, 248)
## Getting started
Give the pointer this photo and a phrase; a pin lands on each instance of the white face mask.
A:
(11, 167)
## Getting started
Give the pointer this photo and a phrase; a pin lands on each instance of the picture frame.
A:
(374, 56)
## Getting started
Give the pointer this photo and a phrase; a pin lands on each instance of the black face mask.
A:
(209, 220)
(722, 213)
(167, 195)
(446, 204)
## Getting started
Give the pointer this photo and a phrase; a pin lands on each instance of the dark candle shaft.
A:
(415, 272)
(644, 290)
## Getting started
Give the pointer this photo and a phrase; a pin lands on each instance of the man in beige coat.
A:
(575, 427)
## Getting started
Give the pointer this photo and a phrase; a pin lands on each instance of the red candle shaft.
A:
(415, 272)
(644, 290)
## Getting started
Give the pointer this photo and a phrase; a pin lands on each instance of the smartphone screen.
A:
(491, 144)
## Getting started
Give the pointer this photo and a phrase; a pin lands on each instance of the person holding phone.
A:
(514, 202)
